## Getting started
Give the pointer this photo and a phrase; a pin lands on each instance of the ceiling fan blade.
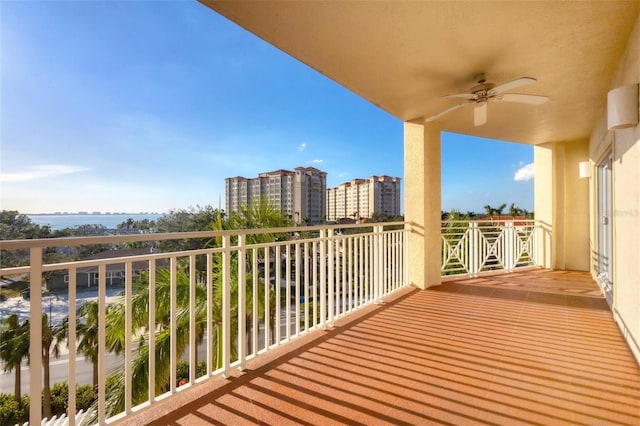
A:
(504, 87)
(480, 114)
(470, 96)
(446, 111)
(525, 99)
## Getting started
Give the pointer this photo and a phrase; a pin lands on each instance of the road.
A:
(59, 372)
(84, 368)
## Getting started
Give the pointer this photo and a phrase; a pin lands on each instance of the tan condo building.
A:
(298, 194)
(361, 198)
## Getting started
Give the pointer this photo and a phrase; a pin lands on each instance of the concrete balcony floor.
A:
(535, 347)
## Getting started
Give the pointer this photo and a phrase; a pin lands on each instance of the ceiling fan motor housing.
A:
(482, 90)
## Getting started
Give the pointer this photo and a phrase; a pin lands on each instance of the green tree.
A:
(85, 251)
(186, 220)
(17, 226)
(14, 347)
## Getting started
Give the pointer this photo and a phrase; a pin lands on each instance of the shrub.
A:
(85, 397)
(13, 412)
(182, 371)
(59, 398)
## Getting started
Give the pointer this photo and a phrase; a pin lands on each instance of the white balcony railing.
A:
(242, 294)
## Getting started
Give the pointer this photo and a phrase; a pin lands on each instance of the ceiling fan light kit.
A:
(485, 92)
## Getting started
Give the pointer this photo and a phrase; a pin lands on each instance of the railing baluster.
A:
(343, 284)
(323, 280)
(35, 334)
(314, 254)
(242, 305)
(287, 305)
(350, 274)
(173, 306)
(152, 330)
(102, 346)
(277, 263)
(359, 270)
(209, 305)
(297, 295)
(306, 286)
(267, 298)
(71, 343)
(377, 249)
(254, 302)
(226, 305)
(128, 359)
(193, 348)
(331, 280)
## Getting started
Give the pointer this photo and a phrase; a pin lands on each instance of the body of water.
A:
(111, 221)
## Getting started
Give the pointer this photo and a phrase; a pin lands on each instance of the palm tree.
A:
(14, 347)
(260, 214)
(51, 335)
(88, 333)
(257, 215)
(116, 334)
(514, 211)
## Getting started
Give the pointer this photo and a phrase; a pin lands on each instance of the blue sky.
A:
(148, 106)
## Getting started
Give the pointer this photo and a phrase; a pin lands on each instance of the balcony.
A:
(534, 347)
(318, 325)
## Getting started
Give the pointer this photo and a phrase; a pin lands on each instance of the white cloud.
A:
(302, 146)
(41, 171)
(316, 161)
(524, 173)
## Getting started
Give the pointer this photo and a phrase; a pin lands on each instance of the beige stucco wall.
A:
(626, 200)
(422, 166)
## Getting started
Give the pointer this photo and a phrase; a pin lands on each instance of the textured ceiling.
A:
(403, 56)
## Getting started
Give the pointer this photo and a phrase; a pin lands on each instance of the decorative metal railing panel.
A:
(473, 247)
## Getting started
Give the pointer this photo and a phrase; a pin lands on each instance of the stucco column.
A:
(422, 204)
(561, 203)
(544, 203)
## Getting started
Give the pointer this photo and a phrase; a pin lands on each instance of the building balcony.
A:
(534, 347)
(320, 325)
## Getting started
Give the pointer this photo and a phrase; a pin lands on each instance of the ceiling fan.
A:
(484, 92)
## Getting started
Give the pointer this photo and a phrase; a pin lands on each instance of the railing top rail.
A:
(76, 241)
(491, 221)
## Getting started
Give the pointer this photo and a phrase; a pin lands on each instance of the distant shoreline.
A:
(92, 213)
(57, 221)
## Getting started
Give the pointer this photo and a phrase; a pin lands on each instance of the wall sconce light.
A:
(622, 107)
(585, 170)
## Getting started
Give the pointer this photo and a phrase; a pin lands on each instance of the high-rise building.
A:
(298, 194)
(361, 198)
